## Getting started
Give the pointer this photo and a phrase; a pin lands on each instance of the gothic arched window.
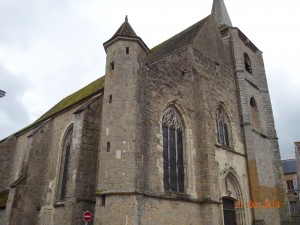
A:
(247, 63)
(254, 114)
(63, 178)
(173, 157)
(222, 127)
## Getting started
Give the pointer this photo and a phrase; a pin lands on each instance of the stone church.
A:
(182, 133)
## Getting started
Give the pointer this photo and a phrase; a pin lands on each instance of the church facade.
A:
(179, 134)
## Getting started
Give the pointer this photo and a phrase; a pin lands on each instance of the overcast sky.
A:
(51, 48)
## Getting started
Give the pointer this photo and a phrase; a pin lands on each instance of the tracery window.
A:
(254, 114)
(247, 63)
(222, 127)
(65, 165)
(173, 158)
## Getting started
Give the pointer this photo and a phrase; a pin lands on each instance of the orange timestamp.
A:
(240, 204)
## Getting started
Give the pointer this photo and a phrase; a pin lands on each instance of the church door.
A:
(229, 211)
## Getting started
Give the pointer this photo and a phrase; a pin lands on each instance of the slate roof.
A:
(220, 14)
(289, 166)
(125, 30)
(176, 42)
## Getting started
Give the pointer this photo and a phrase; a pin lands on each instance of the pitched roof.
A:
(176, 42)
(71, 100)
(289, 166)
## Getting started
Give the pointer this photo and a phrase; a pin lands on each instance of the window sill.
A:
(228, 148)
(59, 204)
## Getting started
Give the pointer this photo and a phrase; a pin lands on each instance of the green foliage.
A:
(172, 194)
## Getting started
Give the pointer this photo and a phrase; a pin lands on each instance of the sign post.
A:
(87, 216)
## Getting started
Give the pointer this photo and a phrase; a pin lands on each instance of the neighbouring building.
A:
(182, 133)
(290, 176)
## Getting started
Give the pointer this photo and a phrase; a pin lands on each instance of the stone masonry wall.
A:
(264, 166)
(83, 158)
(27, 201)
(86, 166)
(7, 149)
(195, 85)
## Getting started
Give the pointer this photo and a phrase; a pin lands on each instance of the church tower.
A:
(257, 122)
(118, 179)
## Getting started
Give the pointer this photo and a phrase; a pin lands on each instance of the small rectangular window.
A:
(108, 147)
(127, 50)
(290, 185)
(110, 99)
(112, 66)
(103, 200)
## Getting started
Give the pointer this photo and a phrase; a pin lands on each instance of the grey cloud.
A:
(13, 115)
(285, 96)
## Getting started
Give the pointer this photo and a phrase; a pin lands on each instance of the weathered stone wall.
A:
(2, 216)
(81, 183)
(264, 165)
(118, 171)
(27, 201)
(7, 150)
(87, 147)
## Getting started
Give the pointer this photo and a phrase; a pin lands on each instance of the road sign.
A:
(87, 216)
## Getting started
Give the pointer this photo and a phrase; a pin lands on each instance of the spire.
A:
(220, 14)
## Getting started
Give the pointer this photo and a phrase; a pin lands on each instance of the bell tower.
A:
(260, 139)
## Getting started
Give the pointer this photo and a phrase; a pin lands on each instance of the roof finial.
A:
(126, 18)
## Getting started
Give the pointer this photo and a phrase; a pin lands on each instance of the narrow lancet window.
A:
(112, 66)
(66, 152)
(173, 156)
(222, 127)
(254, 114)
(247, 63)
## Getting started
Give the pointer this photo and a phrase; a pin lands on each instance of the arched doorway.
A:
(229, 211)
(231, 192)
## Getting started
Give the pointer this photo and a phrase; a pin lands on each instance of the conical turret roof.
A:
(125, 31)
(220, 14)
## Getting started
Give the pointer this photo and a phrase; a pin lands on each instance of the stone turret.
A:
(118, 164)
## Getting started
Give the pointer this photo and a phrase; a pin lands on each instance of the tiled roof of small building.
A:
(289, 166)
(176, 42)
